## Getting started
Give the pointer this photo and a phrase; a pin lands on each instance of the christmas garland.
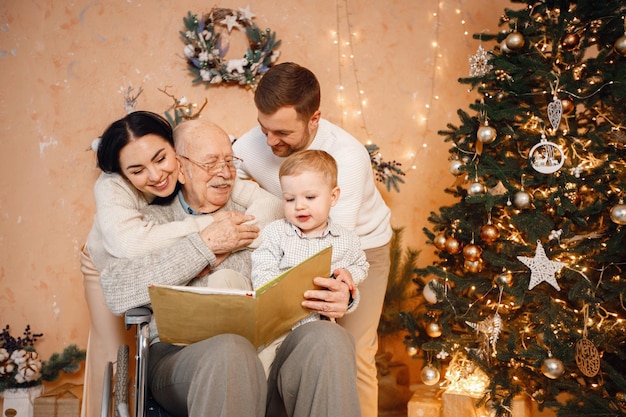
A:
(205, 48)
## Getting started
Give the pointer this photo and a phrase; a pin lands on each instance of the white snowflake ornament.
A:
(479, 63)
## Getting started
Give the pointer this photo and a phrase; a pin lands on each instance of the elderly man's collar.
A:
(187, 207)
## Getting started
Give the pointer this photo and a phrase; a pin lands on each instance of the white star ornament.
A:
(541, 268)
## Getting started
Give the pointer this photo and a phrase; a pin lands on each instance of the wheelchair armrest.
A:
(138, 315)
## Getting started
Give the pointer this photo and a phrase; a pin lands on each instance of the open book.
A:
(186, 315)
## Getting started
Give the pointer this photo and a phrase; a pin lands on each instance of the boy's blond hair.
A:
(310, 160)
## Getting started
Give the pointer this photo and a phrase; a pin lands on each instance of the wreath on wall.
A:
(206, 45)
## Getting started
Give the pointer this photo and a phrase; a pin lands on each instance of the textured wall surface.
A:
(63, 65)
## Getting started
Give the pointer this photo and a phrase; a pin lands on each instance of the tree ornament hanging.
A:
(411, 350)
(504, 279)
(473, 266)
(555, 112)
(430, 291)
(618, 213)
(490, 327)
(567, 105)
(476, 188)
(456, 167)
(546, 157)
(489, 233)
(479, 63)
(472, 252)
(587, 356)
(570, 41)
(430, 375)
(504, 47)
(620, 45)
(486, 134)
(433, 329)
(515, 41)
(453, 245)
(522, 200)
(541, 268)
(440, 241)
(552, 368)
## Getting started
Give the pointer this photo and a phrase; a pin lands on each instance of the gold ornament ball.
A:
(568, 105)
(430, 375)
(489, 233)
(473, 266)
(504, 279)
(486, 134)
(618, 214)
(552, 368)
(453, 246)
(620, 45)
(570, 41)
(433, 329)
(515, 41)
(522, 200)
(456, 167)
(411, 350)
(476, 188)
(440, 241)
(472, 252)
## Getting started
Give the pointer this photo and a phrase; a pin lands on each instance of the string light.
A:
(345, 51)
(423, 118)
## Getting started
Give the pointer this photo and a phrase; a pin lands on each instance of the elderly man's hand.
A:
(229, 232)
(331, 302)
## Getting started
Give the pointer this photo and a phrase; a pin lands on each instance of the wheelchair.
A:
(118, 394)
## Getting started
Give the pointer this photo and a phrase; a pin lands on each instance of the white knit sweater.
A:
(360, 208)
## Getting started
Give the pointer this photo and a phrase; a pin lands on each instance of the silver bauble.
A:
(522, 200)
(504, 279)
(515, 41)
(429, 293)
(620, 45)
(552, 368)
(430, 375)
(486, 134)
(504, 48)
(456, 167)
(476, 188)
(618, 214)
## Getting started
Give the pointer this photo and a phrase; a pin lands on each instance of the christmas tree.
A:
(529, 289)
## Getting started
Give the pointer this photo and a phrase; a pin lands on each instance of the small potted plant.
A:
(22, 371)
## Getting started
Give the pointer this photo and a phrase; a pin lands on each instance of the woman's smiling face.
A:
(150, 164)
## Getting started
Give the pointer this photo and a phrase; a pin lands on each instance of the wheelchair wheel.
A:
(120, 401)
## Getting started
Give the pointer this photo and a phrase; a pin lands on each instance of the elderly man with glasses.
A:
(314, 371)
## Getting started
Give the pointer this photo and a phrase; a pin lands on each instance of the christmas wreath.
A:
(205, 48)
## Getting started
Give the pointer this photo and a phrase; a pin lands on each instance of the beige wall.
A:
(62, 64)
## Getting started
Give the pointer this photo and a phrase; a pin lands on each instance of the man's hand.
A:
(229, 232)
(331, 302)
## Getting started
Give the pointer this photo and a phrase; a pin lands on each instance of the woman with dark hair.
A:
(139, 164)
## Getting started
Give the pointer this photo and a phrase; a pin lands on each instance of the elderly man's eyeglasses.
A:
(215, 165)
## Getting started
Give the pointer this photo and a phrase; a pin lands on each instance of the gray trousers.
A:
(313, 375)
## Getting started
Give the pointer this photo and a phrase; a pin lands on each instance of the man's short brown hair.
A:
(288, 85)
